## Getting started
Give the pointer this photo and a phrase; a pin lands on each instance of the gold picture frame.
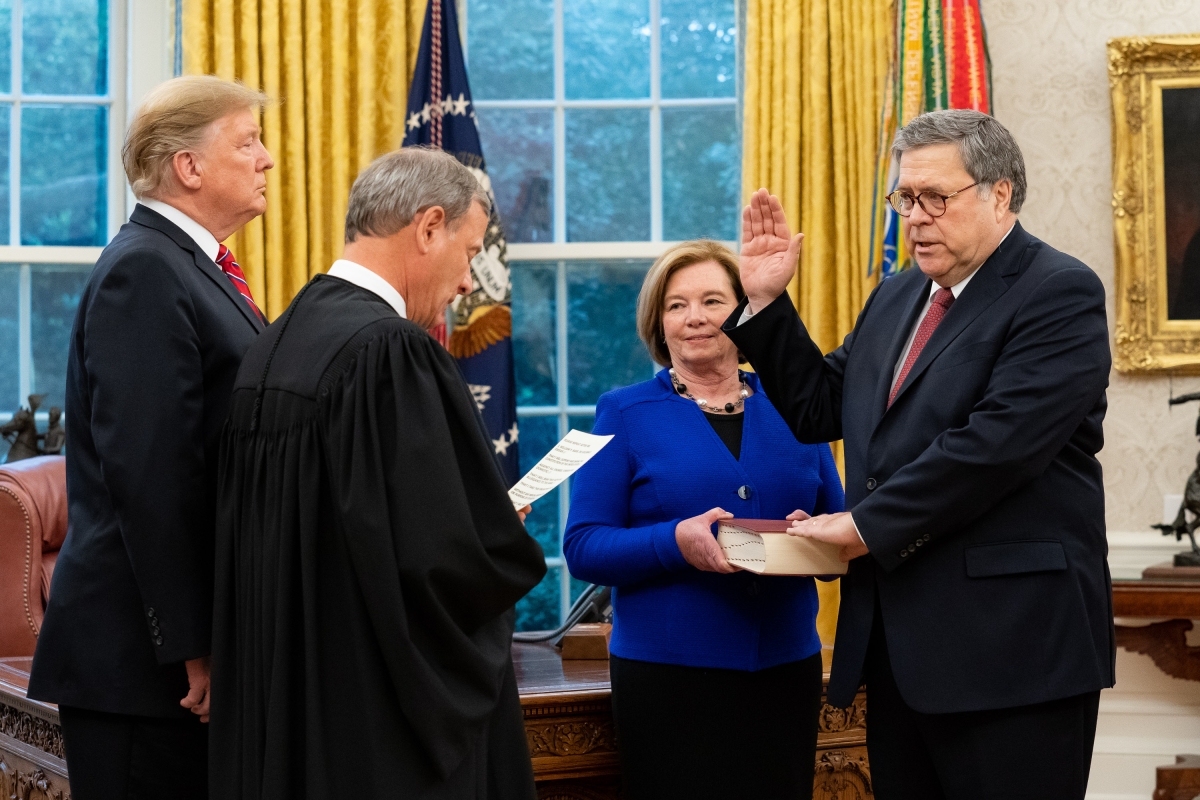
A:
(1157, 327)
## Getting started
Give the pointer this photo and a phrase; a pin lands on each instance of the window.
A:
(610, 129)
(63, 89)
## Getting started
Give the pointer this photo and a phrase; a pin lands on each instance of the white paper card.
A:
(575, 449)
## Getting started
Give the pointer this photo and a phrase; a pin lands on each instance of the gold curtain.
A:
(815, 72)
(339, 74)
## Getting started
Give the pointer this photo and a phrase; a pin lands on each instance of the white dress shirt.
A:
(366, 279)
(204, 239)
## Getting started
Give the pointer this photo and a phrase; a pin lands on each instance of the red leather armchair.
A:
(33, 525)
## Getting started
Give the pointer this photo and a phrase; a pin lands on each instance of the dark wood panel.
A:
(1169, 599)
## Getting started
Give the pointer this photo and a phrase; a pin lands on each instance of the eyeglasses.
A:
(932, 203)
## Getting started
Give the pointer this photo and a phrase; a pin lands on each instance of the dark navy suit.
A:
(978, 492)
(156, 345)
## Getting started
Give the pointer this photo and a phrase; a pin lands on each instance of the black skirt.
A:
(695, 732)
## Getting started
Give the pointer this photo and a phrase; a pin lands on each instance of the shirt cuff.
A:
(856, 530)
(746, 314)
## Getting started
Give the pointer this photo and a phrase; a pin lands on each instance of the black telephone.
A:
(593, 605)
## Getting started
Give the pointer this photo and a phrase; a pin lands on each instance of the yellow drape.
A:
(814, 82)
(339, 74)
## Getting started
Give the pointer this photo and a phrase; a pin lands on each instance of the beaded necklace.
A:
(729, 408)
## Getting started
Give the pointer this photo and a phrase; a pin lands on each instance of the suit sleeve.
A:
(831, 497)
(142, 358)
(804, 387)
(599, 545)
(1051, 373)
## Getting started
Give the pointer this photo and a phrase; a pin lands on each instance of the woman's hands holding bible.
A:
(698, 545)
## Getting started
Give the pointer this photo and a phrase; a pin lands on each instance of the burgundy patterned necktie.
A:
(232, 269)
(942, 300)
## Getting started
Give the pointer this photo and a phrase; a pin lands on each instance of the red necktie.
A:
(231, 268)
(942, 300)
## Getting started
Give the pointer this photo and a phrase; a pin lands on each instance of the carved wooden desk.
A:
(568, 724)
(1165, 642)
(32, 765)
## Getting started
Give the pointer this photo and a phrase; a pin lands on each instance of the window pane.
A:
(5, 127)
(510, 45)
(63, 175)
(534, 350)
(65, 46)
(55, 296)
(518, 146)
(538, 435)
(608, 175)
(5, 46)
(699, 48)
(701, 172)
(606, 48)
(10, 386)
(538, 610)
(604, 351)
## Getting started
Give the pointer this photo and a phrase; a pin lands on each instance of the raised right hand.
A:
(698, 545)
(769, 251)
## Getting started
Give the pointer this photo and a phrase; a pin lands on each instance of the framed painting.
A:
(1155, 86)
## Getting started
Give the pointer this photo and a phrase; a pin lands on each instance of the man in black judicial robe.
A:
(368, 556)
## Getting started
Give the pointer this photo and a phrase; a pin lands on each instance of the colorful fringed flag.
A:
(440, 115)
(941, 62)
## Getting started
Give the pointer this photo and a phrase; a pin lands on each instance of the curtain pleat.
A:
(339, 75)
(815, 74)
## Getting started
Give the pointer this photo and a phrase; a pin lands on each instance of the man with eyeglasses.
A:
(970, 397)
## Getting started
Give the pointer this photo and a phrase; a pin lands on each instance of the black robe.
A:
(368, 560)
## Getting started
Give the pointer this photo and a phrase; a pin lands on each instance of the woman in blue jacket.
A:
(716, 672)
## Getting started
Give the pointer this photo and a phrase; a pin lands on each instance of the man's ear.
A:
(186, 169)
(1001, 197)
(429, 223)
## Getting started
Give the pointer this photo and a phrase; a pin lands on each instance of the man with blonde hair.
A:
(160, 332)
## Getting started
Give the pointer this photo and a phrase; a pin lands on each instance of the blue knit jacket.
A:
(665, 464)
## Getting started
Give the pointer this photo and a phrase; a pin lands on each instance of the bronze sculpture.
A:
(21, 432)
(1191, 502)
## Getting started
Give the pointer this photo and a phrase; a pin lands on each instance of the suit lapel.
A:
(985, 287)
(152, 219)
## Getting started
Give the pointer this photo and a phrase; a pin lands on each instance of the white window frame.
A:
(141, 54)
(560, 251)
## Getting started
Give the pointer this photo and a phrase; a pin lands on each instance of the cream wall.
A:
(1050, 81)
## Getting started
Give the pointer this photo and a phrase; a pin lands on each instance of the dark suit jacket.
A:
(978, 492)
(156, 345)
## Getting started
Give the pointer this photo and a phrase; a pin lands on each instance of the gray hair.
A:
(989, 152)
(396, 187)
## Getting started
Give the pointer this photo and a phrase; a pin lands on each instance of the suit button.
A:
(912, 548)
(904, 554)
(150, 612)
(158, 640)
(744, 492)
(925, 538)
(919, 542)
(154, 629)
(871, 484)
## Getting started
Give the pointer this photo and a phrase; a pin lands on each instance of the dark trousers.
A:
(695, 733)
(1035, 752)
(122, 757)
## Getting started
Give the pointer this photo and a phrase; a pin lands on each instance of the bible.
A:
(765, 547)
